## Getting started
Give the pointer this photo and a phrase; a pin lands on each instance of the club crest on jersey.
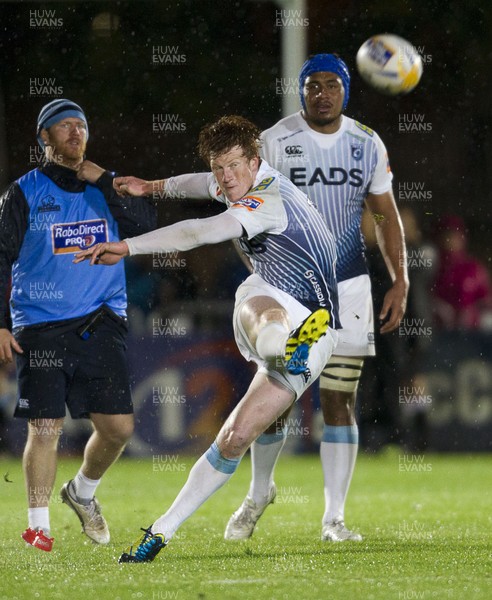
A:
(248, 202)
(48, 204)
(357, 151)
(68, 238)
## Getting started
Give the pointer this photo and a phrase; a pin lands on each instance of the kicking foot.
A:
(301, 339)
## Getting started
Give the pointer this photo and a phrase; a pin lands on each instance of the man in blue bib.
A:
(68, 324)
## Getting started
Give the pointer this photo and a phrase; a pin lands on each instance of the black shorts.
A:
(59, 367)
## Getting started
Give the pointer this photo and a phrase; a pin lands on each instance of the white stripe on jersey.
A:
(336, 171)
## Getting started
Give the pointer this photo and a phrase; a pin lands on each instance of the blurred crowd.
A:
(450, 290)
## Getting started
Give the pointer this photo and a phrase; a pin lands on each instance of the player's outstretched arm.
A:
(391, 240)
(108, 253)
(187, 186)
(180, 237)
(186, 235)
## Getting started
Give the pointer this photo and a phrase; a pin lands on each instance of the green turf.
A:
(426, 523)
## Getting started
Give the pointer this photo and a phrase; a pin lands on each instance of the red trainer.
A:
(38, 539)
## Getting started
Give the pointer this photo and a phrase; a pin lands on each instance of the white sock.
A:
(39, 518)
(204, 479)
(264, 454)
(271, 340)
(338, 452)
(84, 488)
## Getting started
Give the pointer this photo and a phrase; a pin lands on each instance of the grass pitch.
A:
(425, 519)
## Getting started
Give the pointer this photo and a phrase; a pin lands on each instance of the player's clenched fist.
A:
(108, 253)
(89, 171)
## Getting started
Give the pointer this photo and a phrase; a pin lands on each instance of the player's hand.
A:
(7, 344)
(89, 171)
(394, 305)
(108, 253)
(131, 186)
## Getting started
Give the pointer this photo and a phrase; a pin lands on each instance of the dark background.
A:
(232, 61)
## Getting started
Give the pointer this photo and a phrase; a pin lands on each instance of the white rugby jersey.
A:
(336, 171)
(287, 240)
(278, 228)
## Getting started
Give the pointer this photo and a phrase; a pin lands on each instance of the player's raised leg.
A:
(266, 448)
(267, 398)
(264, 401)
(270, 344)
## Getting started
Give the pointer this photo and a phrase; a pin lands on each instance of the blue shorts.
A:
(60, 368)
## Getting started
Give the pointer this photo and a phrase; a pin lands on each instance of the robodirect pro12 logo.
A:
(74, 237)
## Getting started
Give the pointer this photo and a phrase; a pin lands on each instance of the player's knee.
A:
(338, 407)
(116, 431)
(258, 312)
(123, 435)
(126, 432)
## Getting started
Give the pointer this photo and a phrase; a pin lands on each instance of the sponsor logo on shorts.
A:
(23, 403)
(249, 203)
(74, 237)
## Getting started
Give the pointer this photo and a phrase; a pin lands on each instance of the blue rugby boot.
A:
(148, 547)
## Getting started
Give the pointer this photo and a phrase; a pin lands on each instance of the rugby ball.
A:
(389, 64)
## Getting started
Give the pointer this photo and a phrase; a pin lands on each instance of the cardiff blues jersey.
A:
(286, 240)
(336, 171)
